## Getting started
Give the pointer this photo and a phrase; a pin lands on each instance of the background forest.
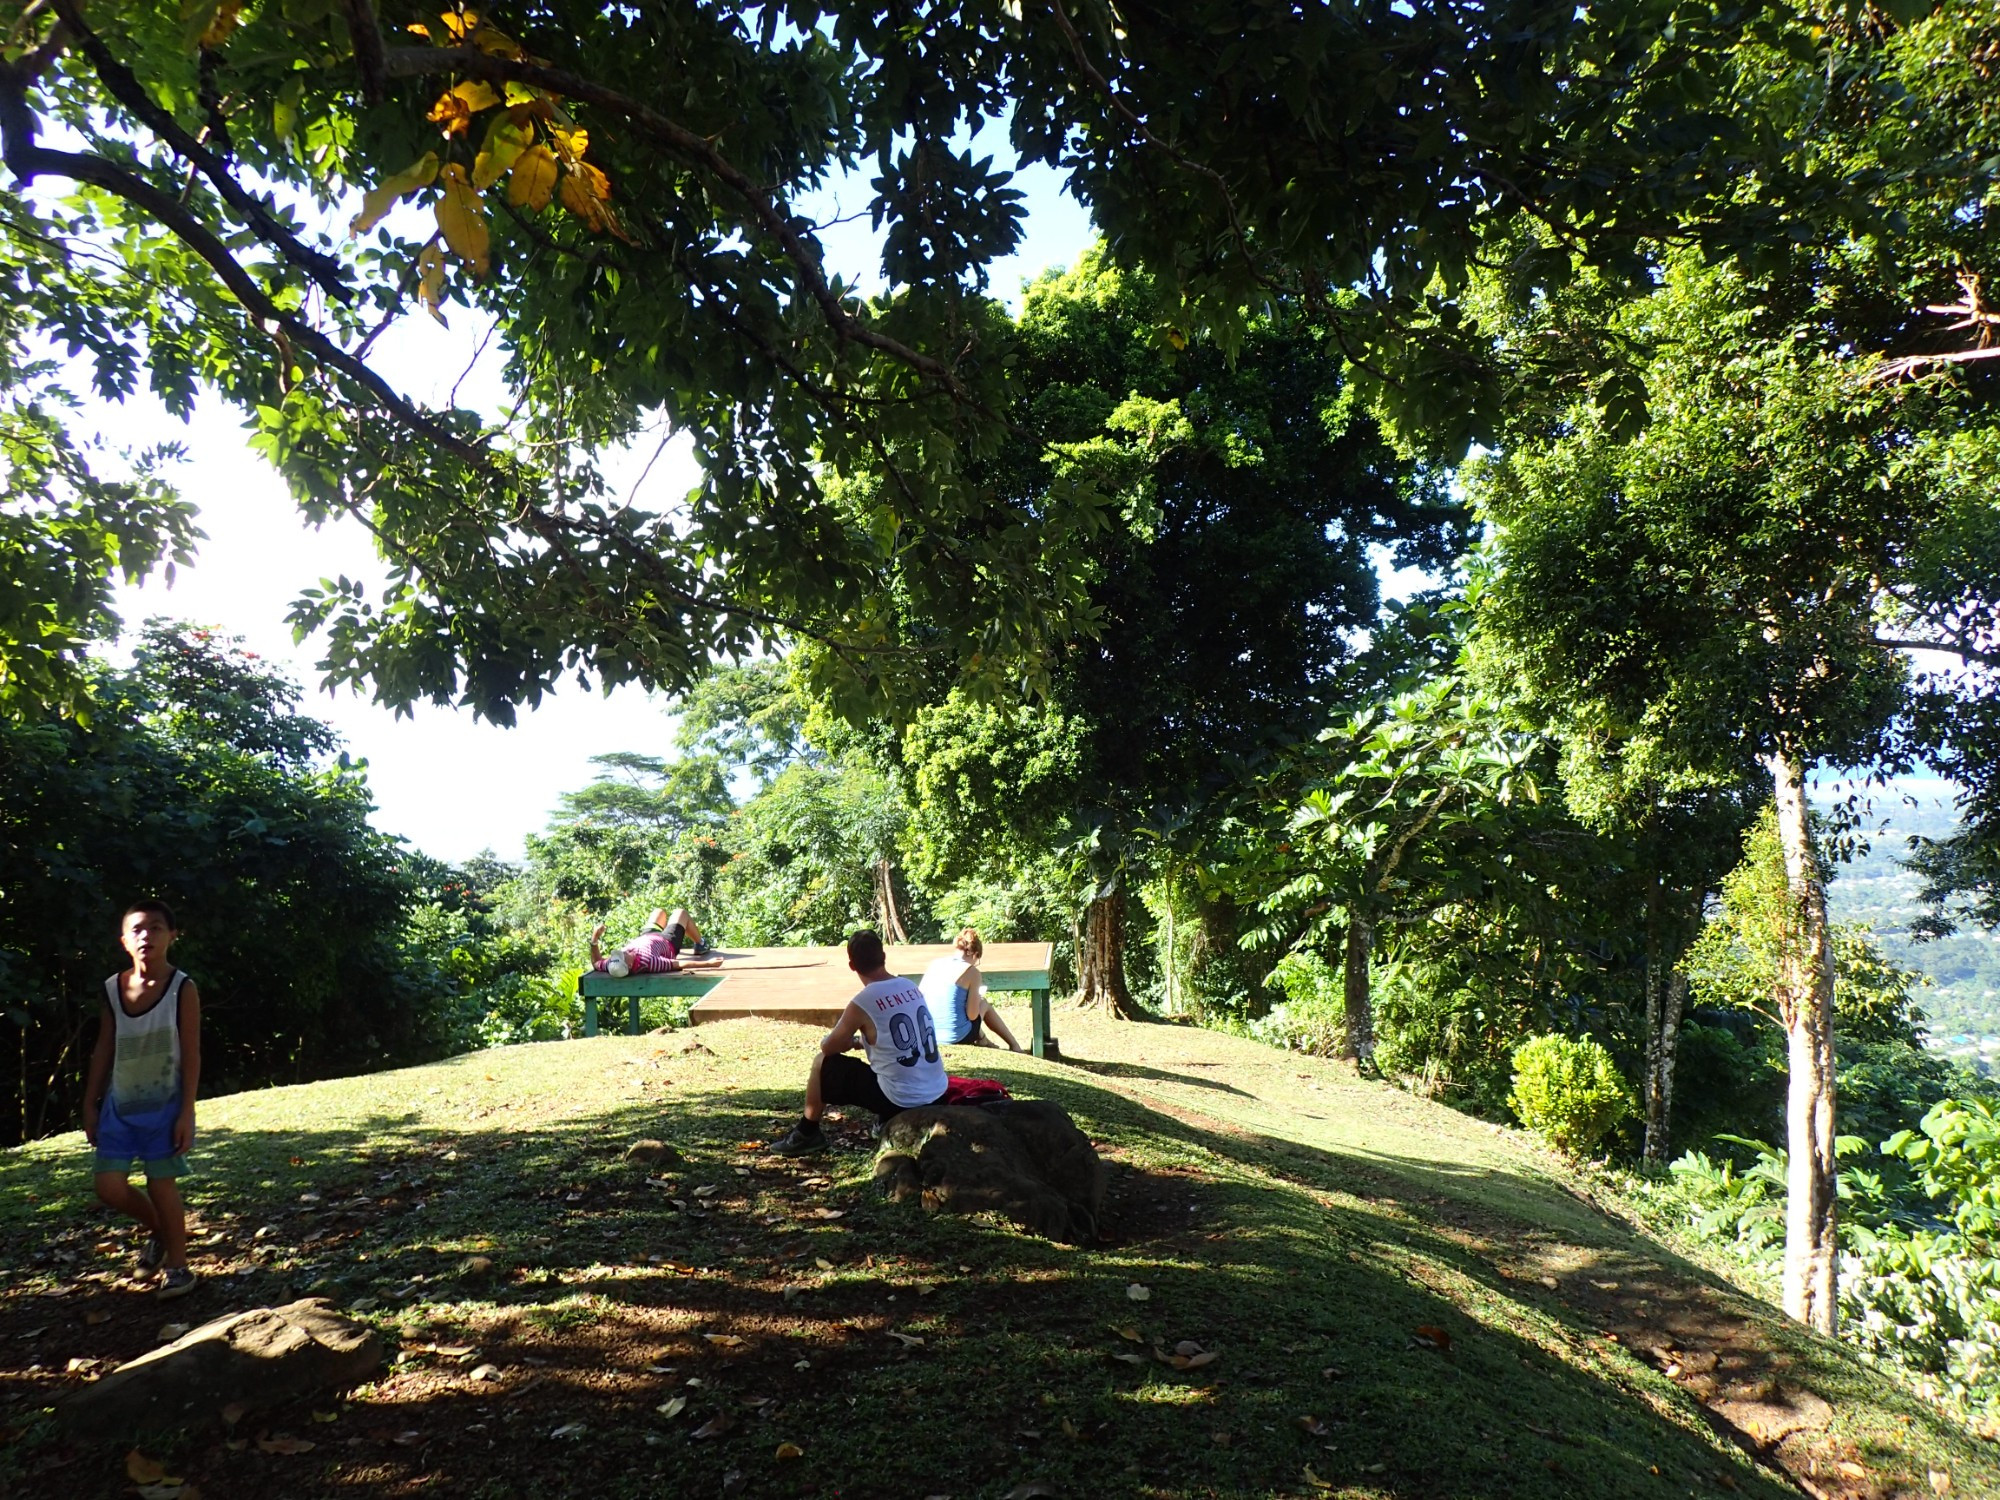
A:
(1661, 341)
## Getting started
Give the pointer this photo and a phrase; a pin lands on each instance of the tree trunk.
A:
(1360, 947)
(1100, 962)
(1805, 1001)
(1663, 1041)
(885, 903)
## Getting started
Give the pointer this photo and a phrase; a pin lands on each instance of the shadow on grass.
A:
(1158, 1075)
(606, 1284)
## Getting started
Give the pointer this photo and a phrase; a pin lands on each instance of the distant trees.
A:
(198, 781)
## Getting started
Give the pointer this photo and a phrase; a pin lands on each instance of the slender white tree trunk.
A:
(1805, 1002)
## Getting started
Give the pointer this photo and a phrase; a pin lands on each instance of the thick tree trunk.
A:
(1360, 947)
(1100, 961)
(1805, 1001)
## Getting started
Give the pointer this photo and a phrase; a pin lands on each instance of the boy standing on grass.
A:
(138, 1095)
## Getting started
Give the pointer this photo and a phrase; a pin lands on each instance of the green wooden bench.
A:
(813, 985)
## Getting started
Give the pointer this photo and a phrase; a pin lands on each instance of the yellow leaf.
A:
(462, 24)
(430, 281)
(526, 93)
(1315, 1481)
(228, 16)
(584, 190)
(462, 218)
(570, 144)
(450, 114)
(377, 201)
(533, 181)
(143, 1470)
(788, 1451)
(504, 144)
(420, 29)
(496, 43)
(477, 93)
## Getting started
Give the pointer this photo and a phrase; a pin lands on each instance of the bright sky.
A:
(448, 783)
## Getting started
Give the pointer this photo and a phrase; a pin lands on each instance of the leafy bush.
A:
(1568, 1090)
(1313, 1015)
(1928, 1308)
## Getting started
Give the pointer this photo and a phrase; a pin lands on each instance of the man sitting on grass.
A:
(890, 1019)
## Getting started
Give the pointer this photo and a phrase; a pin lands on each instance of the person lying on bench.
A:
(891, 1021)
(657, 950)
(959, 1008)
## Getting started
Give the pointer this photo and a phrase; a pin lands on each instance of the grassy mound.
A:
(1310, 1286)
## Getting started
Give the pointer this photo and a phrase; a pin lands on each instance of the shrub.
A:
(1568, 1090)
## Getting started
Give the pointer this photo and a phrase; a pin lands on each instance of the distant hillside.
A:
(1877, 888)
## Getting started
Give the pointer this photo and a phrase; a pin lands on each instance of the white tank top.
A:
(904, 1053)
(146, 1062)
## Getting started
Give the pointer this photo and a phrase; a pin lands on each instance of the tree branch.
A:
(367, 35)
(697, 150)
(1950, 648)
(123, 85)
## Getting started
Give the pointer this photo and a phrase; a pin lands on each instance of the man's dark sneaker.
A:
(805, 1139)
(178, 1282)
(151, 1254)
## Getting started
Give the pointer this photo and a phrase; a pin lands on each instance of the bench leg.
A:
(1042, 1044)
(632, 1021)
(590, 1015)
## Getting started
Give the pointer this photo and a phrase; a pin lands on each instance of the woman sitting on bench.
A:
(957, 1000)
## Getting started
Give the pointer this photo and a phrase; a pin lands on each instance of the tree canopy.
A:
(618, 190)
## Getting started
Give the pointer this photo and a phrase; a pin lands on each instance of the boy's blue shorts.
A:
(144, 1137)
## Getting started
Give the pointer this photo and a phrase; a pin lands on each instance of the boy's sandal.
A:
(150, 1254)
(178, 1282)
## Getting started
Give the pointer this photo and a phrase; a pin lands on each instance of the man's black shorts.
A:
(850, 1081)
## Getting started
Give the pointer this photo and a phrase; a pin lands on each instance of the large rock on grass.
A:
(253, 1359)
(1022, 1158)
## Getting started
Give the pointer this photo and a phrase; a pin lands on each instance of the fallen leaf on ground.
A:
(1187, 1347)
(1220, 1439)
(1139, 1293)
(1433, 1337)
(143, 1470)
(673, 1407)
(96, 1316)
(1312, 1426)
(280, 1443)
(1032, 1491)
(788, 1451)
(823, 1263)
(1315, 1481)
(829, 1213)
(171, 1331)
(570, 1430)
(168, 1489)
(1129, 1333)
(907, 1340)
(326, 1416)
(234, 1412)
(1125, 1358)
(1849, 1469)
(707, 1190)
(715, 1426)
(723, 1340)
(1940, 1481)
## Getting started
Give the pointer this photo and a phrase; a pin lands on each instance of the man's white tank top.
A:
(904, 1053)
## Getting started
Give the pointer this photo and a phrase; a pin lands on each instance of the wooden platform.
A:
(813, 985)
